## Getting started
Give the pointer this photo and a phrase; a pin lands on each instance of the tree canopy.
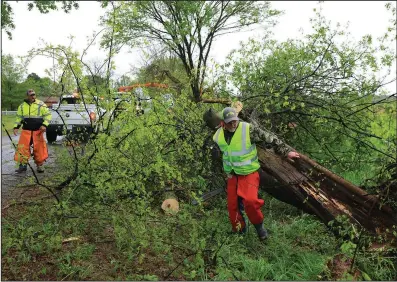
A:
(187, 28)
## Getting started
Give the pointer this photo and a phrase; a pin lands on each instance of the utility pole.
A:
(53, 64)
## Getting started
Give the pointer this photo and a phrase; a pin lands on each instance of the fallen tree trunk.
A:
(324, 193)
(280, 191)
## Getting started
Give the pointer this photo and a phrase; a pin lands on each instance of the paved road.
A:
(9, 179)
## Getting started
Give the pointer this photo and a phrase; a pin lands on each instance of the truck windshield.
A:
(71, 100)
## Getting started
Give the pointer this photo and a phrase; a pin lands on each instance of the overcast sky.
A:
(365, 17)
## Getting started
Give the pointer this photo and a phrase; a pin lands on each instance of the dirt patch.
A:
(24, 196)
(340, 266)
(42, 268)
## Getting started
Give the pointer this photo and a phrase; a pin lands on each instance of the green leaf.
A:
(366, 276)
(285, 103)
(348, 247)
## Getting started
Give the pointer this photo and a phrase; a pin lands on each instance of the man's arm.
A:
(18, 120)
(213, 148)
(259, 135)
(46, 114)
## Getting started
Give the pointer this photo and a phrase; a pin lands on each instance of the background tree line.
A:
(15, 82)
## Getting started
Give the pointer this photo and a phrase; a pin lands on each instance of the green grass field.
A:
(8, 122)
(195, 244)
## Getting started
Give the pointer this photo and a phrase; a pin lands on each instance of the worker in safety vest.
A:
(34, 117)
(236, 141)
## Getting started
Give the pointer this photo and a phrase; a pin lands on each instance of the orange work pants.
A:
(40, 152)
(244, 188)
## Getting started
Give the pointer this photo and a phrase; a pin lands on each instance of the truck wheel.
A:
(51, 136)
(84, 137)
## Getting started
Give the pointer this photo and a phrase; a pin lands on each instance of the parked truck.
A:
(73, 116)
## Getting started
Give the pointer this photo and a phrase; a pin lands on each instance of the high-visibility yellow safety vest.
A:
(240, 155)
(32, 115)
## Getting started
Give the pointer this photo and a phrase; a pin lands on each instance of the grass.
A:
(298, 248)
(8, 122)
(117, 244)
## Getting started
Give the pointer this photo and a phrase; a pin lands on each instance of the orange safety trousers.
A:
(244, 188)
(40, 152)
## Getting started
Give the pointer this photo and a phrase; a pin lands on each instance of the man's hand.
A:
(15, 131)
(43, 128)
(293, 155)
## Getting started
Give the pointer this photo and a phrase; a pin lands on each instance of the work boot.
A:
(40, 169)
(241, 232)
(21, 168)
(262, 232)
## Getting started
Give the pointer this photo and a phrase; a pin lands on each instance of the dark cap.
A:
(229, 114)
(30, 92)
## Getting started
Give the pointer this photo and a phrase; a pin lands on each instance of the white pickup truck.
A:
(70, 115)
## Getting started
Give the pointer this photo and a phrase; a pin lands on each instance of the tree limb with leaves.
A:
(187, 28)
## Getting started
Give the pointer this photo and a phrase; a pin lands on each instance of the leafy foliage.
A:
(168, 70)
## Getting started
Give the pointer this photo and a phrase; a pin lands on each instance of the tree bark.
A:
(309, 186)
(223, 101)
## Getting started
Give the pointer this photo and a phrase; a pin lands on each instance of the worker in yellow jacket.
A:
(34, 116)
(237, 142)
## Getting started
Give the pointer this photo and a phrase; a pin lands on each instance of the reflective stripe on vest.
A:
(39, 105)
(38, 110)
(242, 163)
(216, 136)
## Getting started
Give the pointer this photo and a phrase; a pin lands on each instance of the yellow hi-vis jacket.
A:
(240, 155)
(32, 115)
